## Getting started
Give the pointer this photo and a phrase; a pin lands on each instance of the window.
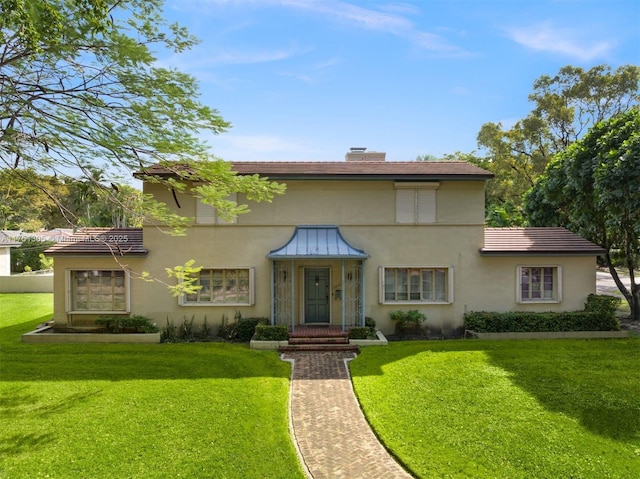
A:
(207, 214)
(232, 286)
(416, 202)
(416, 285)
(539, 284)
(98, 291)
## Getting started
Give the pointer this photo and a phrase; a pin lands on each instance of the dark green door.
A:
(316, 295)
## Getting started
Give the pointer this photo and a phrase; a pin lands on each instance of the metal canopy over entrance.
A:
(317, 241)
(325, 244)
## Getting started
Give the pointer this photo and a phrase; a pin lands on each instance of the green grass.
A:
(450, 409)
(138, 411)
(504, 409)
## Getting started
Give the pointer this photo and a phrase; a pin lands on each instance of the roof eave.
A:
(594, 252)
(93, 255)
(382, 177)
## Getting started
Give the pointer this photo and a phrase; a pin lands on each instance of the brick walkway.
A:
(332, 435)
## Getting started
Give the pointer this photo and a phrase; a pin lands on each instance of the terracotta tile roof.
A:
(536, 241)
(101, 241)
(393, 170)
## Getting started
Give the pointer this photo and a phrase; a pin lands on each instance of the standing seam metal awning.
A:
(317, 241)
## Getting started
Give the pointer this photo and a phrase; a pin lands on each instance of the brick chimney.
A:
(361, 154)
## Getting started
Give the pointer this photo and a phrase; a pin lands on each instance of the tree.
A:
(427, 157)
(565, 106)
(25, 200)
(81, 91)
(593, 188)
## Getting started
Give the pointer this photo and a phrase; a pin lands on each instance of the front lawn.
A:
(138, 411)
(506, 409)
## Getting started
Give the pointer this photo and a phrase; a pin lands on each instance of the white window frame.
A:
(557, 278)
(183, 301)
(416, 202)
(208, 215)
(449, 296)
(70, 287)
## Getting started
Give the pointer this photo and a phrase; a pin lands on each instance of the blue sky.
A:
(304, 80)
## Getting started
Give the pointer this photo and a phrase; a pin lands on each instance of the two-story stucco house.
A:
(347, 240)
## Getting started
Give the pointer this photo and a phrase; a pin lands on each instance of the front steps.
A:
(318, 338)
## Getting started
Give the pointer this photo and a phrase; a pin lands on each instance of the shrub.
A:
(123, 324)
(267, 332)
(226, 328)
(169, 333)
(204, 333)
(408, 321)
(246, 328)
(524, 322)
(370, 323)
(360, 333)
(603, 304)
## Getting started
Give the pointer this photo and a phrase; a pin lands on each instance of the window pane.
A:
(231, 285)
(402, 287)
(243, 286)
(524, 284)
(548, 283)
(389, 284)
(217, 293)
(414, 284)
(427, 284)
(205, 286)
(441, 285)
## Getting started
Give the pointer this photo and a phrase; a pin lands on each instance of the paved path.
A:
(606, 285)
(332, 435)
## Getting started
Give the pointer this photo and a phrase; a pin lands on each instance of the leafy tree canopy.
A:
(565, 106)
(593, 188)
(80, 90)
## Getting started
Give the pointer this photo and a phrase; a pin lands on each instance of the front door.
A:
(316, 294)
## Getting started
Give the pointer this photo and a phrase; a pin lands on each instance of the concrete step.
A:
(319, 340)
(318, 347)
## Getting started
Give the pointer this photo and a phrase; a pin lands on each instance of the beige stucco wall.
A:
(36, 283)
(228, 246)
(342, 203)
(365, 214)
(495, 289)
(64, 263)
(364, 211)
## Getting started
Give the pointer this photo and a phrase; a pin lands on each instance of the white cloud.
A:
(545, 37)
(236, 57)
(233, 147)
(389, 18)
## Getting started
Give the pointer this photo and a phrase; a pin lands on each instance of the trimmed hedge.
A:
(360, 333)
(598, 315)
(123, 324)
(266, 332)
(603, 304)
(245, 329)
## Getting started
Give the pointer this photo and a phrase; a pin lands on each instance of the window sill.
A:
(104, 313)
(540, 301)
(417, 302)
(214, 304)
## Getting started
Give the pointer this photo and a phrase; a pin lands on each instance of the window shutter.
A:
(426, 206)
(405, 206)
(205, 214)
